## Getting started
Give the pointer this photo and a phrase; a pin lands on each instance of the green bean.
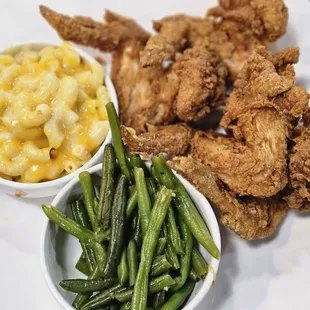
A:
(117, 141)
(102, 235)
(176, 301)
(186, 207)
(82, 266)
(173, 232)
(135, 161)
(107, 186)
(170, 253)
(193, 275)
(160, 265)
(152, 189)
(89, 197)
(161, 244)
(126, 306)
(80, 215)
(132, 258)
(68, 225)
(117, 227)
(199, 264)
(159, 300)
(132, 202)
(137, 230)
(81, 299)
(156, 285)
(144, 201)
(158, 215)
(86, 286)
(186, 259)
(101, 299)
(155, 175)
(122, 269)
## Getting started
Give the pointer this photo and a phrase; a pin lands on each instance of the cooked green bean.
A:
(193, 275)
(103, 235)
(160, 265)
(144, 201)
(173, 232)
(137, 229)
(161, 244)
(126, 306)
(158, 215)
(135, 161)
(101, 299)
(117, 227)
(176, 301)
(82, 266)
(87, 286)
(107, 186)
(186, 207)
(159, 300)
(199, 264)
(68, 225)
(152, 189)
(80, 215)
(132, 258)
(132, 202)
(155, 175)
(170, 253)
(117, 141)
(186, 259)
(89, 197)
(122, 269)
(156, 285)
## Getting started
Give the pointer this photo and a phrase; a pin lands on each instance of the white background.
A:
(269, 275)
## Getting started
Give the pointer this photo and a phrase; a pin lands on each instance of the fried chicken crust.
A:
(202, 83)
(250, 218)
(253, 161)
(173, 139)
(299, 171)
(266, 18)
(146, 95)
(108, 36)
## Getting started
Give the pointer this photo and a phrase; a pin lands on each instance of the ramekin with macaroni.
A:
(52, 115)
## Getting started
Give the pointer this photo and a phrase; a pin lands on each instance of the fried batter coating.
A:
(146, 95)
(117, 30)
(266, 18)
(202, 77)
(250, 218)
(231, 40)
(253, 161)
(173, 139)
(299, 172)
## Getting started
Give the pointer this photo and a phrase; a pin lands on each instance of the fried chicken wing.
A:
(108, 36)
(266, 18)
(253, 161)
(250, 218)
(173, 139)
(202, 77)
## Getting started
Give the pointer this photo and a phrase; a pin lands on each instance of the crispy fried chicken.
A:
(250, 218)
(266, 18)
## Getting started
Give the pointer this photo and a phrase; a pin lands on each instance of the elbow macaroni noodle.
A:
(52, 113)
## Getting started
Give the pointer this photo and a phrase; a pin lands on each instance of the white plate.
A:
(269, 275)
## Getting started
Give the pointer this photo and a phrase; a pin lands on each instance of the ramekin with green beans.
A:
(139, 233)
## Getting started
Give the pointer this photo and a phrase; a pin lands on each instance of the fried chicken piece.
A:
(146, 95)
(266, 18)
(108, 36)
(173, 139)
(202, 80)
(299, 171)
(253, 161)
(230, 39)
(250, 218)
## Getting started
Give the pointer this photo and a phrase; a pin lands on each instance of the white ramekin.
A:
(51, 188)
(60, 251)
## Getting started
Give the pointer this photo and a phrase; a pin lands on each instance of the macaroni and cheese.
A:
(52, 113)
